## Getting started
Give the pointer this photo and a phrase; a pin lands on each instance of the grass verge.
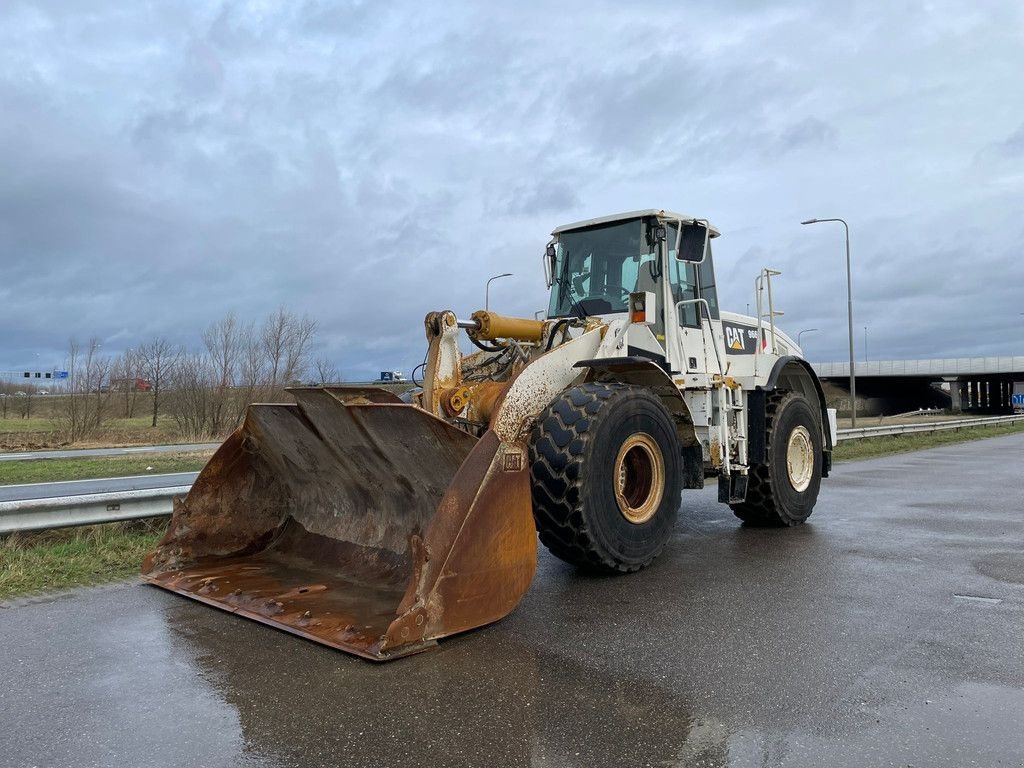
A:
(869, 447)
(71, 557)
(32, 424)
(52, 470)
(42, 431)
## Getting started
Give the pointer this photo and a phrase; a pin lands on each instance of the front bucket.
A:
(370, 526)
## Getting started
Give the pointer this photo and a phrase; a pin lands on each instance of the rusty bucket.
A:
(355, 520)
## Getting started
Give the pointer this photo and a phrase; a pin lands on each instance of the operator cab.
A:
(593, 266)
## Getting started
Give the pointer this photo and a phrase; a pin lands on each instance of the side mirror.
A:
(549, 263)
(693, 240)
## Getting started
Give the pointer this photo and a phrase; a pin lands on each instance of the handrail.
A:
(714, 341)
(932, 426)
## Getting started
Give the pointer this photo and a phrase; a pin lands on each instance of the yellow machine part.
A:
(492, 326)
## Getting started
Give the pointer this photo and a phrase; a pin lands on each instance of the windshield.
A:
(597, 268)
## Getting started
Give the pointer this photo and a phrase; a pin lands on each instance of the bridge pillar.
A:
(957, 395)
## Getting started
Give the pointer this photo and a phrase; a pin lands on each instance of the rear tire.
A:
(606, 473)
(784, 491)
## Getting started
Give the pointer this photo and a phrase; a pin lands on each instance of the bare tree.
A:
(156, 361)
(286, 339)
(124, 377)
(25, 403)
(296, 358)
(253, 373)
(192, 383)
(80, 412)
(326, 371)
(224, 342)
(274, 336)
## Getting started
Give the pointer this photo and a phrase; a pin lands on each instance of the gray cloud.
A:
(1010, 148)
(163, 164)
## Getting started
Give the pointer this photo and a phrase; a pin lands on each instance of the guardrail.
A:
(932, 426)
(86, 509)
(92, 508)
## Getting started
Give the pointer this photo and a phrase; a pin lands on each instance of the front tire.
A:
(784, 491)
(606, 473)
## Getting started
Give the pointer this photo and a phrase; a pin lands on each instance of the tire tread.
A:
(558, 444)
(760, 507)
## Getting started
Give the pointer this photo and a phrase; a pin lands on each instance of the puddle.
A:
(1002, 566)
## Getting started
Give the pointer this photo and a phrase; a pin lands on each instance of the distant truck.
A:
(391, 376)
(128, 385)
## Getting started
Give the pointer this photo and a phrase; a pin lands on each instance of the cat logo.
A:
(734, 337)
(740, 339)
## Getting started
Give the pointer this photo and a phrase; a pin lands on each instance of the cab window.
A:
(684, 283)
(708, 291)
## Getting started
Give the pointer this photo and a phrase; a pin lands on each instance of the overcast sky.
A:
(164, 163)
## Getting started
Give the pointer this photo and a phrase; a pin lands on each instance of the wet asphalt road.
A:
(839, 643)
(102, 485)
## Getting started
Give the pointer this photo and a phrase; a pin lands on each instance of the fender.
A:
(651, 376)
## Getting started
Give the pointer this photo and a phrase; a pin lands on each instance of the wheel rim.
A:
(639, 478)
(800, 459)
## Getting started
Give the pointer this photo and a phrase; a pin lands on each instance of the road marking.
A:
(979, 599)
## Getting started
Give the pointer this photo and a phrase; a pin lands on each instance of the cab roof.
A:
(666, 216)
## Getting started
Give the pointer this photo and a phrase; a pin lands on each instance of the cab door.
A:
(694, 337)
(692, 349)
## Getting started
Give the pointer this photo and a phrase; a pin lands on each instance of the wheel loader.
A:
(377, 526)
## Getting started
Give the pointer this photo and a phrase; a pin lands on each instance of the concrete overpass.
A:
(975, 383)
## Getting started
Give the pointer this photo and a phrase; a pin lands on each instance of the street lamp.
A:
(849, 312)
(801, 333)
(487, 289)
(865, 343)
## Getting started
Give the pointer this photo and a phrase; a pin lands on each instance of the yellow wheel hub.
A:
(639, 478)
(800, 459)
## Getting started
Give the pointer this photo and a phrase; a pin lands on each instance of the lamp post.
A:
(865, 343)
(849, 313)
(487, 289)
(801, 333)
